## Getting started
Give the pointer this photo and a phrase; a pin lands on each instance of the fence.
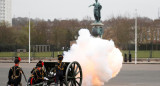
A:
(143, 54)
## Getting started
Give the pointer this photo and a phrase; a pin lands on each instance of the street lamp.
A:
(136, 37)
(29, 40)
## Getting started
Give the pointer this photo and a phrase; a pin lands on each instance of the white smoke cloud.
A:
(100, 59)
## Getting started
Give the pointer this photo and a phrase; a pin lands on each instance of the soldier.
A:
(15, 74)
(59, 70)
(34, 68)
(33, 71)
(37, 75)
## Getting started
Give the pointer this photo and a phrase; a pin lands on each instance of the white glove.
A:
(54, 74)
(9, 85)
(51, 73)
(45, 78)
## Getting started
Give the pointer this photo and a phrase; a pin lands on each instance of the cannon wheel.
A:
(73, 76)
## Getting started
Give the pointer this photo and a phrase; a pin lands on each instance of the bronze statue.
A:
(97, 11)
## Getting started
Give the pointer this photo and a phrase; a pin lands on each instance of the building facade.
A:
(5, 11)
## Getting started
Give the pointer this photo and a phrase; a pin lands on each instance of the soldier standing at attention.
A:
(59, 70)
(15, 74)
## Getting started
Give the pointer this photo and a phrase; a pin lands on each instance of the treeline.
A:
(59, 33)
(122, 31)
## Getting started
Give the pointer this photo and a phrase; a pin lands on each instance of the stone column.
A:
(36, 48)
(42, 48)
(39, 48)
(97, 29)
(46, 48)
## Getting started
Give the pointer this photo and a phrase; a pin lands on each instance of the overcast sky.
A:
(68, 9)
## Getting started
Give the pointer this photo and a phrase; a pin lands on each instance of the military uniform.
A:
(37, 75)
(59, 70)
(32, 72)
(33, 69)
(14, 76)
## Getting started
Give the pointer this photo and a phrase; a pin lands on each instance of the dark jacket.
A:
(37, 76)
(14, 76)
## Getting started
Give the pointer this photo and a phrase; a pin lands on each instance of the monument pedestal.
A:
(97, 29)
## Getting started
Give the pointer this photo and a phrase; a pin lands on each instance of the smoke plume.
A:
(100, 59)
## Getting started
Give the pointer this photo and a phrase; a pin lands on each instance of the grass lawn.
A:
(144, 54)
(37, 54)
(140, 54)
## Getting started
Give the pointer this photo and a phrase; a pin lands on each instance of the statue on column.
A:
(97, 11)
(97, 29)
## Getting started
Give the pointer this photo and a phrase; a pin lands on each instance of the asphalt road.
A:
(130, 75)
(137, 75)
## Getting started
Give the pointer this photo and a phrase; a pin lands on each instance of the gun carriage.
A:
(72, 74)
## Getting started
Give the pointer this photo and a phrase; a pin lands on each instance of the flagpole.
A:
(136, 37)
(29, 40)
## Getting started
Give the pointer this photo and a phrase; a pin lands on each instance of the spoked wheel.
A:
(73, 76)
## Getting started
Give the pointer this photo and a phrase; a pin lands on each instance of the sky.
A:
(78, 9)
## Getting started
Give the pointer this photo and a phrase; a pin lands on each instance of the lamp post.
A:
(29, 40)
(136, 37)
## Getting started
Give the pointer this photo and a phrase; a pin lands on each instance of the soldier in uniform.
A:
(34, 68)
(15, 74)
(59, 70)
(37, 75)
(33, 71)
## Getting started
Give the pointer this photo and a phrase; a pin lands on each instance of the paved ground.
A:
(137, 75)
(130, 75)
